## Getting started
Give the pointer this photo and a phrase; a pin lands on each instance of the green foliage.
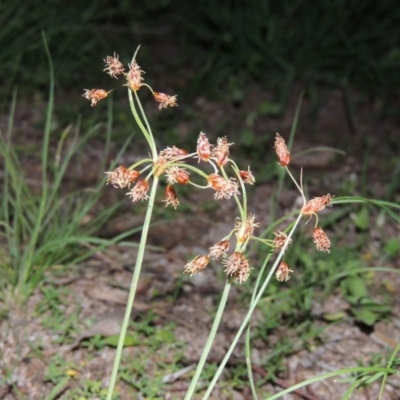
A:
(336, 42)
(76, 32)
(363, 307)
(51, 312)
(47, 229)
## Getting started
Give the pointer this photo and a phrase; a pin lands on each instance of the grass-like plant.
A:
(214, 169)
(46, 229)
(325, 41)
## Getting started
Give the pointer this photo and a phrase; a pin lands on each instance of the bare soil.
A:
(98, 288)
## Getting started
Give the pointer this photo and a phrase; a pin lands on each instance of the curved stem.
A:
(247, 342)
(210, 341)
(132, 292)
(146, 134)
(152, 144)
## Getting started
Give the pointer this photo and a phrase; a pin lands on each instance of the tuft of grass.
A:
(50, 228)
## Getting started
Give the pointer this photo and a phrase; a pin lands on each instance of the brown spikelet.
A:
(282, 151)
(321, 239)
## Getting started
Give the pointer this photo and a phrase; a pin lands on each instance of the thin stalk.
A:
(146, 122)
(248, 364)
(389, 365)
(210, 341)
(250, 312)
(146, 134)
(247, 343)
(132, 291)
(282, 176)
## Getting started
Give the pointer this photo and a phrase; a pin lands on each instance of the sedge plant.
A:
(213, 169)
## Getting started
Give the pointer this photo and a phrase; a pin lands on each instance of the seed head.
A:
(219, 249)
(282, 151)
(139, 191)
(280, 240)
(237, 267)
(245, 228)
(196, 265)
(113, 66)
(165, 100)
(95, 95)
(177, 175)
(283, 271)
(203, 147)
(221, 151)
(172, 153)
(224, 188)
(247, 176)
(122, 177)
(321, 240)
(171, 198)
(134, 77)
(317, 204)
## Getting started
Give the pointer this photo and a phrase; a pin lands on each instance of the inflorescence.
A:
(171, 164)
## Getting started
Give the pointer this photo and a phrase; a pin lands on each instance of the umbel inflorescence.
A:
(215, 170)
(133, 77)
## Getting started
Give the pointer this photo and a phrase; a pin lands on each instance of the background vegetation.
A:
(206, 49)
(226, 42)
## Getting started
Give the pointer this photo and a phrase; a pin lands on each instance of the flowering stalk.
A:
(123, 177)
(171, 162)
(280, 268)
(132, 290)
(249, 313)
(240, 248)
(210, 341)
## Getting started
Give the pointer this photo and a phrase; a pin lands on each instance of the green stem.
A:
(132, 292)
(210, 341)
(146, 134)
(249, 313)
(247, 342)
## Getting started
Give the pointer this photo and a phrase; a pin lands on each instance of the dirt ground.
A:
(98, 288)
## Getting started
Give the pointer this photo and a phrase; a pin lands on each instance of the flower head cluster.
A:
(317, 204)
(321, 239)
(95, 95)
(177, 175)
(237, 267)
(282, 151)
(134, 80)
(247, 176)
(114, 67)
(283, 271)
(245, 229)
(165, 100)
(196, 265)
(172, 154)
(122, 177)
(312, 207)
(139, 191)
(280, 240)
(221, 151)
(203, 148)
(224, 188)
(171, 199)
(134, 77)
(219, 249)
